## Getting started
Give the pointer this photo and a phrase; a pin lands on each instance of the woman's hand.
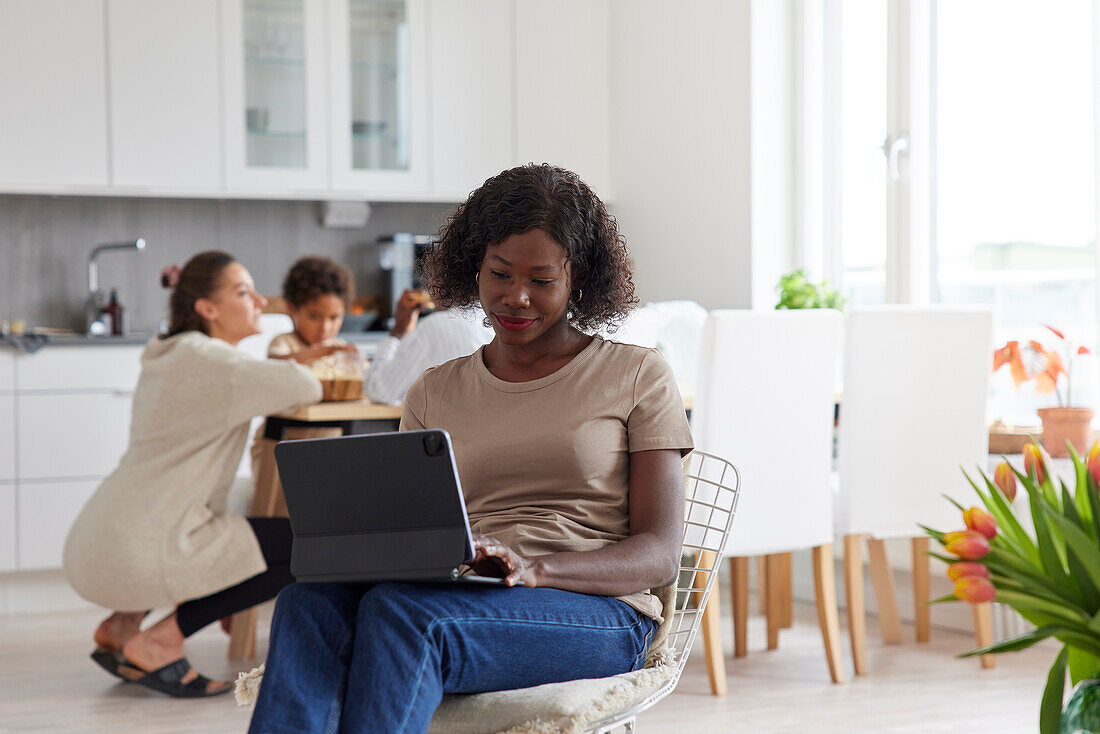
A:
(493, 558)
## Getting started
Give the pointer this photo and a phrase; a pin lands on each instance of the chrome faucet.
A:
(93, 322)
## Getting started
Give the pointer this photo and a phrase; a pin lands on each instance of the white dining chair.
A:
(912, 414)
(764, 397)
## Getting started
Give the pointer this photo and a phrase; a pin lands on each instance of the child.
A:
(317, 291)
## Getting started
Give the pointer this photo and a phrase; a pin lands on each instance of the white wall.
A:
(680, 146)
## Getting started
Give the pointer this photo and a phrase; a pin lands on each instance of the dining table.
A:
(341, 418)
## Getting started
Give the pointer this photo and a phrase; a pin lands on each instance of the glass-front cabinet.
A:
(275, 94)
(326, 95)
(379, 95)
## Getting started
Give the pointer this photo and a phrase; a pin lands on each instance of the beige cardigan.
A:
(155, 532)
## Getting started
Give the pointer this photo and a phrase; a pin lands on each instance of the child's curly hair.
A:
(559, 203)
(314, 276)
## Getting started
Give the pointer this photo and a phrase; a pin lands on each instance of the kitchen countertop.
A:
(364, 338)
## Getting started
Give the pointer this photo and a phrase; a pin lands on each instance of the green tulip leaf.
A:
(1094, 503)
(1006, 519)
(1077, 570)
(1082, 664)
(1014, 644)
(1079, 543)
(1068, 615)
(934, 534)
(1050, 710)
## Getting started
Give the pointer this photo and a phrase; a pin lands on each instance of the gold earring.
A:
(477, 277)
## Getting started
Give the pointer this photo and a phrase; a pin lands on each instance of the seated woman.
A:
(156, 532)
(568, 448)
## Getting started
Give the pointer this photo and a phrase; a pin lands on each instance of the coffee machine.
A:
(399, 257)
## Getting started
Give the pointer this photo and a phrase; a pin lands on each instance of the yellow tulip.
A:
(975, 589)
(1094, 462)
(968, 544)
(958, 569)
(1004, 478)
(1034, 466)
(980, 520)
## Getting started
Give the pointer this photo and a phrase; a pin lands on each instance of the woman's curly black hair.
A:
(314, 276)
(557, 202)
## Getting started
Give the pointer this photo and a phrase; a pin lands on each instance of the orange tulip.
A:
(968, 544)
(1093, 462)
(1004, 478)
(975, 589)
(980, 520)
(1034, 466)
(966, 568)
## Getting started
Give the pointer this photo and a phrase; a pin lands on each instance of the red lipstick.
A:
(513, 324)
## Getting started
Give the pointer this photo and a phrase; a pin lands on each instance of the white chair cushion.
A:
(554, 708)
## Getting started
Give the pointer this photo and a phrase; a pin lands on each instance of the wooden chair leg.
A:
(825, 594)
(922, 590)
(853, 588)
(266, 499)
(762, 585)
(983, 630)
(772, 574)
(739, 594)
(786, 591)
(882, 578)
(712, 625)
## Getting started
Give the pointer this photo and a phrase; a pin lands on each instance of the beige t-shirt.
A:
(544, 464)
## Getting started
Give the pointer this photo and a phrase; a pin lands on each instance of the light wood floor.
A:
(47, 684)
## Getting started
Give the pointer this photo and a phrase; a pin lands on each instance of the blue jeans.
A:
(379, 658)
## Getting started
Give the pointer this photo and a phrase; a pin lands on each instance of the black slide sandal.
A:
(109, 660)
(168, 679)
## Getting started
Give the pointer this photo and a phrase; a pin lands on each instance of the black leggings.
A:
(275, 538)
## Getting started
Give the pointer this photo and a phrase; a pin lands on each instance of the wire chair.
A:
(712, 486)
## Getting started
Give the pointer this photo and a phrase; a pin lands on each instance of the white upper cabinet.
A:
(165, 108)
(275, 95)
(473, 118)
(562, 105)
(378, 89)
(53, 117)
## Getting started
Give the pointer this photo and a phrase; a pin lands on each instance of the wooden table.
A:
(340, 419)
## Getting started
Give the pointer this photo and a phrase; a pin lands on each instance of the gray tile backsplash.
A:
(45, 242)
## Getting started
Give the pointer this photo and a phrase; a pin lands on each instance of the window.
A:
(989, 108)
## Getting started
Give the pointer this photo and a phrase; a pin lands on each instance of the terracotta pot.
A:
(1066, 424)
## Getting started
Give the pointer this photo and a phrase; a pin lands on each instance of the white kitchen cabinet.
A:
(53, 117)
(71, 435)
(7, 527)
(562, 104)
(275, 94)
(473, 111)
(60, 368)
(46, 513)
(7, 371)
(7, 438)
(165, 107)
(378, 89)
